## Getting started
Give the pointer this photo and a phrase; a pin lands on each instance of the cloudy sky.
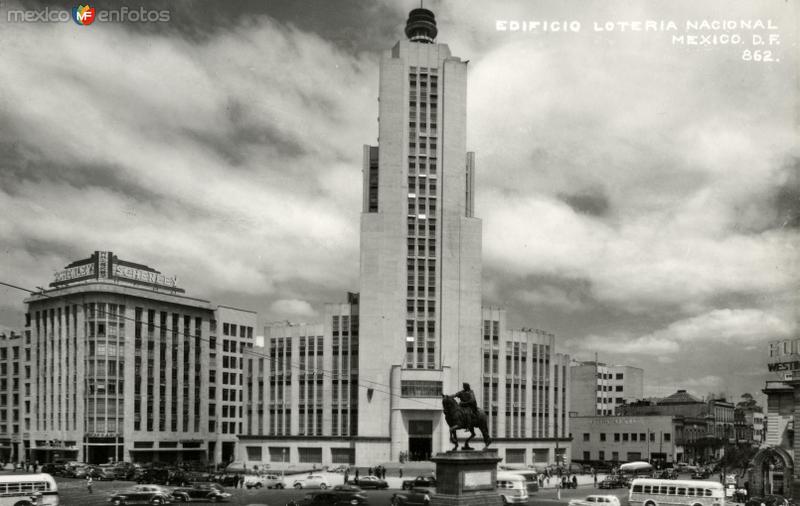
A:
(639, 197)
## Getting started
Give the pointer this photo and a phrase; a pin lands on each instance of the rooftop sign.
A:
(104, 265)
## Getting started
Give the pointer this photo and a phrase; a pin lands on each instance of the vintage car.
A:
(419, 481)
(414, 497)
(312, 481)
(612, 482)
(369, 482)
(206, 492)
(596, 500)
(263, 480)
(332, 498)
(142, 494)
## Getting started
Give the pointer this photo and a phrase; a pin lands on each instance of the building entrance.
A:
(420, 439)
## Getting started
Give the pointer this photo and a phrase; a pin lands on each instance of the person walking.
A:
(401, 472)
(346, 475)
(89, 484)
(574, 481)
(356, 476)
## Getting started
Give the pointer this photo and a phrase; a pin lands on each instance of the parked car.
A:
(419, 482)
(369, 482)
(701, 474)
(312, 481)
(126, 470)
(142, 494)
(53, 469)
(79, 471)
(264, 480)
(104, 472)
(611, 482)
(331, 498)
(596, 500)
(414, 497)
(211, 492)
(768, 500)
(666, 474)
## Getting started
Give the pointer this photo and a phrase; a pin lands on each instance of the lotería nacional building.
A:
(118, 363)
(365, 385)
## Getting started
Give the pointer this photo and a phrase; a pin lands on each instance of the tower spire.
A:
(421, 25)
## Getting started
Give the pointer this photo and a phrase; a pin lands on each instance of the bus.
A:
(633, 470)
(653, 492)
(28, 490)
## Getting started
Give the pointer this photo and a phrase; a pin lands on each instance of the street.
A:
(74, 492)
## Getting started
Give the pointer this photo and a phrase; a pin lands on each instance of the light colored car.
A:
(263, 480)
(596, 500)
(312, 481)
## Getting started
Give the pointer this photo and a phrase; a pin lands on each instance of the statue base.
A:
(466, 478)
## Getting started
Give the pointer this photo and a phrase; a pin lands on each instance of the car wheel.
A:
(117, 502)
(214, 498)
(649, 503)
(298, 486)
(157, 500)
(323, 486)
(280, 486)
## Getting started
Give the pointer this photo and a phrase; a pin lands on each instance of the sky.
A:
(640, 196)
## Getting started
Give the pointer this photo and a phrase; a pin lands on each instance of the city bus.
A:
(28, 490)
(653, 492)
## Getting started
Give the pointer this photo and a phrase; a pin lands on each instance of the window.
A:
(586, 438)
(602, 436)
(619, 376)
(586, 456)
(618, 388)
(616, 437)
(601, 455)
(667, 436)
(254, 453)
(624, 436)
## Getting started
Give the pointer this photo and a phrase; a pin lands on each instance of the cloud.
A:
(729, 328)
(289, 308)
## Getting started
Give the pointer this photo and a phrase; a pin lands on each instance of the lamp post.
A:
(283, 462)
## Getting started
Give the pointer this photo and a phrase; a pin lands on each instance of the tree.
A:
(748, 403)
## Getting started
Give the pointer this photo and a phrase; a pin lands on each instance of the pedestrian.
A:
(595, 480)
(369, 472)
(401, 472)
(89, 484)
(346, 475)
(574, 481)
(558, 491)
(356, 475)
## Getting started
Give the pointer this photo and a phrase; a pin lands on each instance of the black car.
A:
(420, 481)
(414, 497)
(53, 469)
(369, 482)
(332, 498)
(768, 500)
(701, 474)
(142, 494)
(207, 492)
(611, 482)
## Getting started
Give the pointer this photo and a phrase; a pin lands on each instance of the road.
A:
(74, 492)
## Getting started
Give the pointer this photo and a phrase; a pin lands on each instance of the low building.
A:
(614, 440)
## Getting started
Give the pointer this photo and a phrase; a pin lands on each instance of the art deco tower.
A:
(420, 303)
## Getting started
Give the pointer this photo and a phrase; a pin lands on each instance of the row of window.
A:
(631, 436)
(604, 375)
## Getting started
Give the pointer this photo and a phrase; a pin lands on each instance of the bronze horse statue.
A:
(459, 418)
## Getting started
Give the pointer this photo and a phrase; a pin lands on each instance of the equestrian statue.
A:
(465, 415)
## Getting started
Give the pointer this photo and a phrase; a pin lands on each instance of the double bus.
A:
(28, 490)
(654, 492)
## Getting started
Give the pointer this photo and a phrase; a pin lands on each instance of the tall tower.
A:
(420, 305)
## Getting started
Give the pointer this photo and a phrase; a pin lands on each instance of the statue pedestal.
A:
(466, 478)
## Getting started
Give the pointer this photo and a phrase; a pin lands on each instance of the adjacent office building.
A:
(120, 364)
(365, 385)
(597, 388)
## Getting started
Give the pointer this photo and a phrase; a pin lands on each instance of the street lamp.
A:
(283, 462)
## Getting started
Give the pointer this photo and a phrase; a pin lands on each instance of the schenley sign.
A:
(106, 265)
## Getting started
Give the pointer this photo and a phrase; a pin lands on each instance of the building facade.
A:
(125, 366)
(365, 385)
(15, 380)
(597, 388)
(614, 440)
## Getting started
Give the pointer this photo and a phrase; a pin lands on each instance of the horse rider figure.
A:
(466, 398)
